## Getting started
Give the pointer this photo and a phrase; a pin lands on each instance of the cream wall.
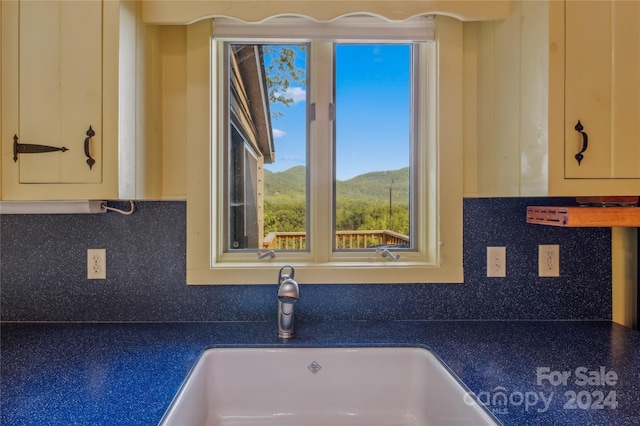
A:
(506, 82)
(624, 298)
(174, 111)
(161, 128)
(505, 104)
(505, 96)
(1, 104)
(505, 122)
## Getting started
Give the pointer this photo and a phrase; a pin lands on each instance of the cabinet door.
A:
(60, 90)
(602, 89)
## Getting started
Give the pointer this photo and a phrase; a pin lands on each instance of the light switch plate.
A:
(496, 262)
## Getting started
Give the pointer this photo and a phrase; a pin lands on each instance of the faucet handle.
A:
(282, 277)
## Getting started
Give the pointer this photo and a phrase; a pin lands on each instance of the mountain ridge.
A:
(289, 186)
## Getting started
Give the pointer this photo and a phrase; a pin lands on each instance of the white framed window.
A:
(225, 213)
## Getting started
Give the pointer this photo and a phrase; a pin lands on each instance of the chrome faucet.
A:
(288, 294)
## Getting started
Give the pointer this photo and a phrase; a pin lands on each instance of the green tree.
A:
(281, 72)
(287, 217)
(358, 215)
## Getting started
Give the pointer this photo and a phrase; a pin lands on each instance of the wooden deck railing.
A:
(344, 239)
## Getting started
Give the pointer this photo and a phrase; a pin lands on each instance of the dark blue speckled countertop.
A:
(127, 374)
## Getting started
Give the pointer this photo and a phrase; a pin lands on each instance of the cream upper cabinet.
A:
(530, 78)
(602, 89)
(59, 93)
(77, 83)
(599, 46)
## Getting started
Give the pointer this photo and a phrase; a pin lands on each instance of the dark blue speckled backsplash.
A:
(43, 273)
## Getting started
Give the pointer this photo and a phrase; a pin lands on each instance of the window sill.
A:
(329, 273)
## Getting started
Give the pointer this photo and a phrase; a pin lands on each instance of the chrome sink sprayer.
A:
(288, 295)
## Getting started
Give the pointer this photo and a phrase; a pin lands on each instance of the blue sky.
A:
(372, 112)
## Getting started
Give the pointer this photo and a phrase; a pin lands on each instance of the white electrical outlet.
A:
(496, 261)
(96, 264)
(549, 260)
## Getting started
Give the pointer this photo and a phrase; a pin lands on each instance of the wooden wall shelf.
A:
(584, 216)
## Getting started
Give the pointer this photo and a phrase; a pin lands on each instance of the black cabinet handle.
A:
(87, 152)
(26, 148)
(585, 142)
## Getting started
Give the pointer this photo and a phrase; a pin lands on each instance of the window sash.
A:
(414, 131)
(320, 174)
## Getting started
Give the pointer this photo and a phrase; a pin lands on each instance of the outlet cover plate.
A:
(549, 260)
(496, 262)
(96, 264)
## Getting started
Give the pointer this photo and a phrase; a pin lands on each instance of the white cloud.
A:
(277, 133)
(298, 94)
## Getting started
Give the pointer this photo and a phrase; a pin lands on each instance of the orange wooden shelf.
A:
(584, 216)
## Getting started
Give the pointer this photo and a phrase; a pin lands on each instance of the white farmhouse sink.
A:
(376, 386)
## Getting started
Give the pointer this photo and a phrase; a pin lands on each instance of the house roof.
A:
(251, 86)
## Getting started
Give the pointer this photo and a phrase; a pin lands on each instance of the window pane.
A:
(267, 177)
(373, 145)
(243, 194)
